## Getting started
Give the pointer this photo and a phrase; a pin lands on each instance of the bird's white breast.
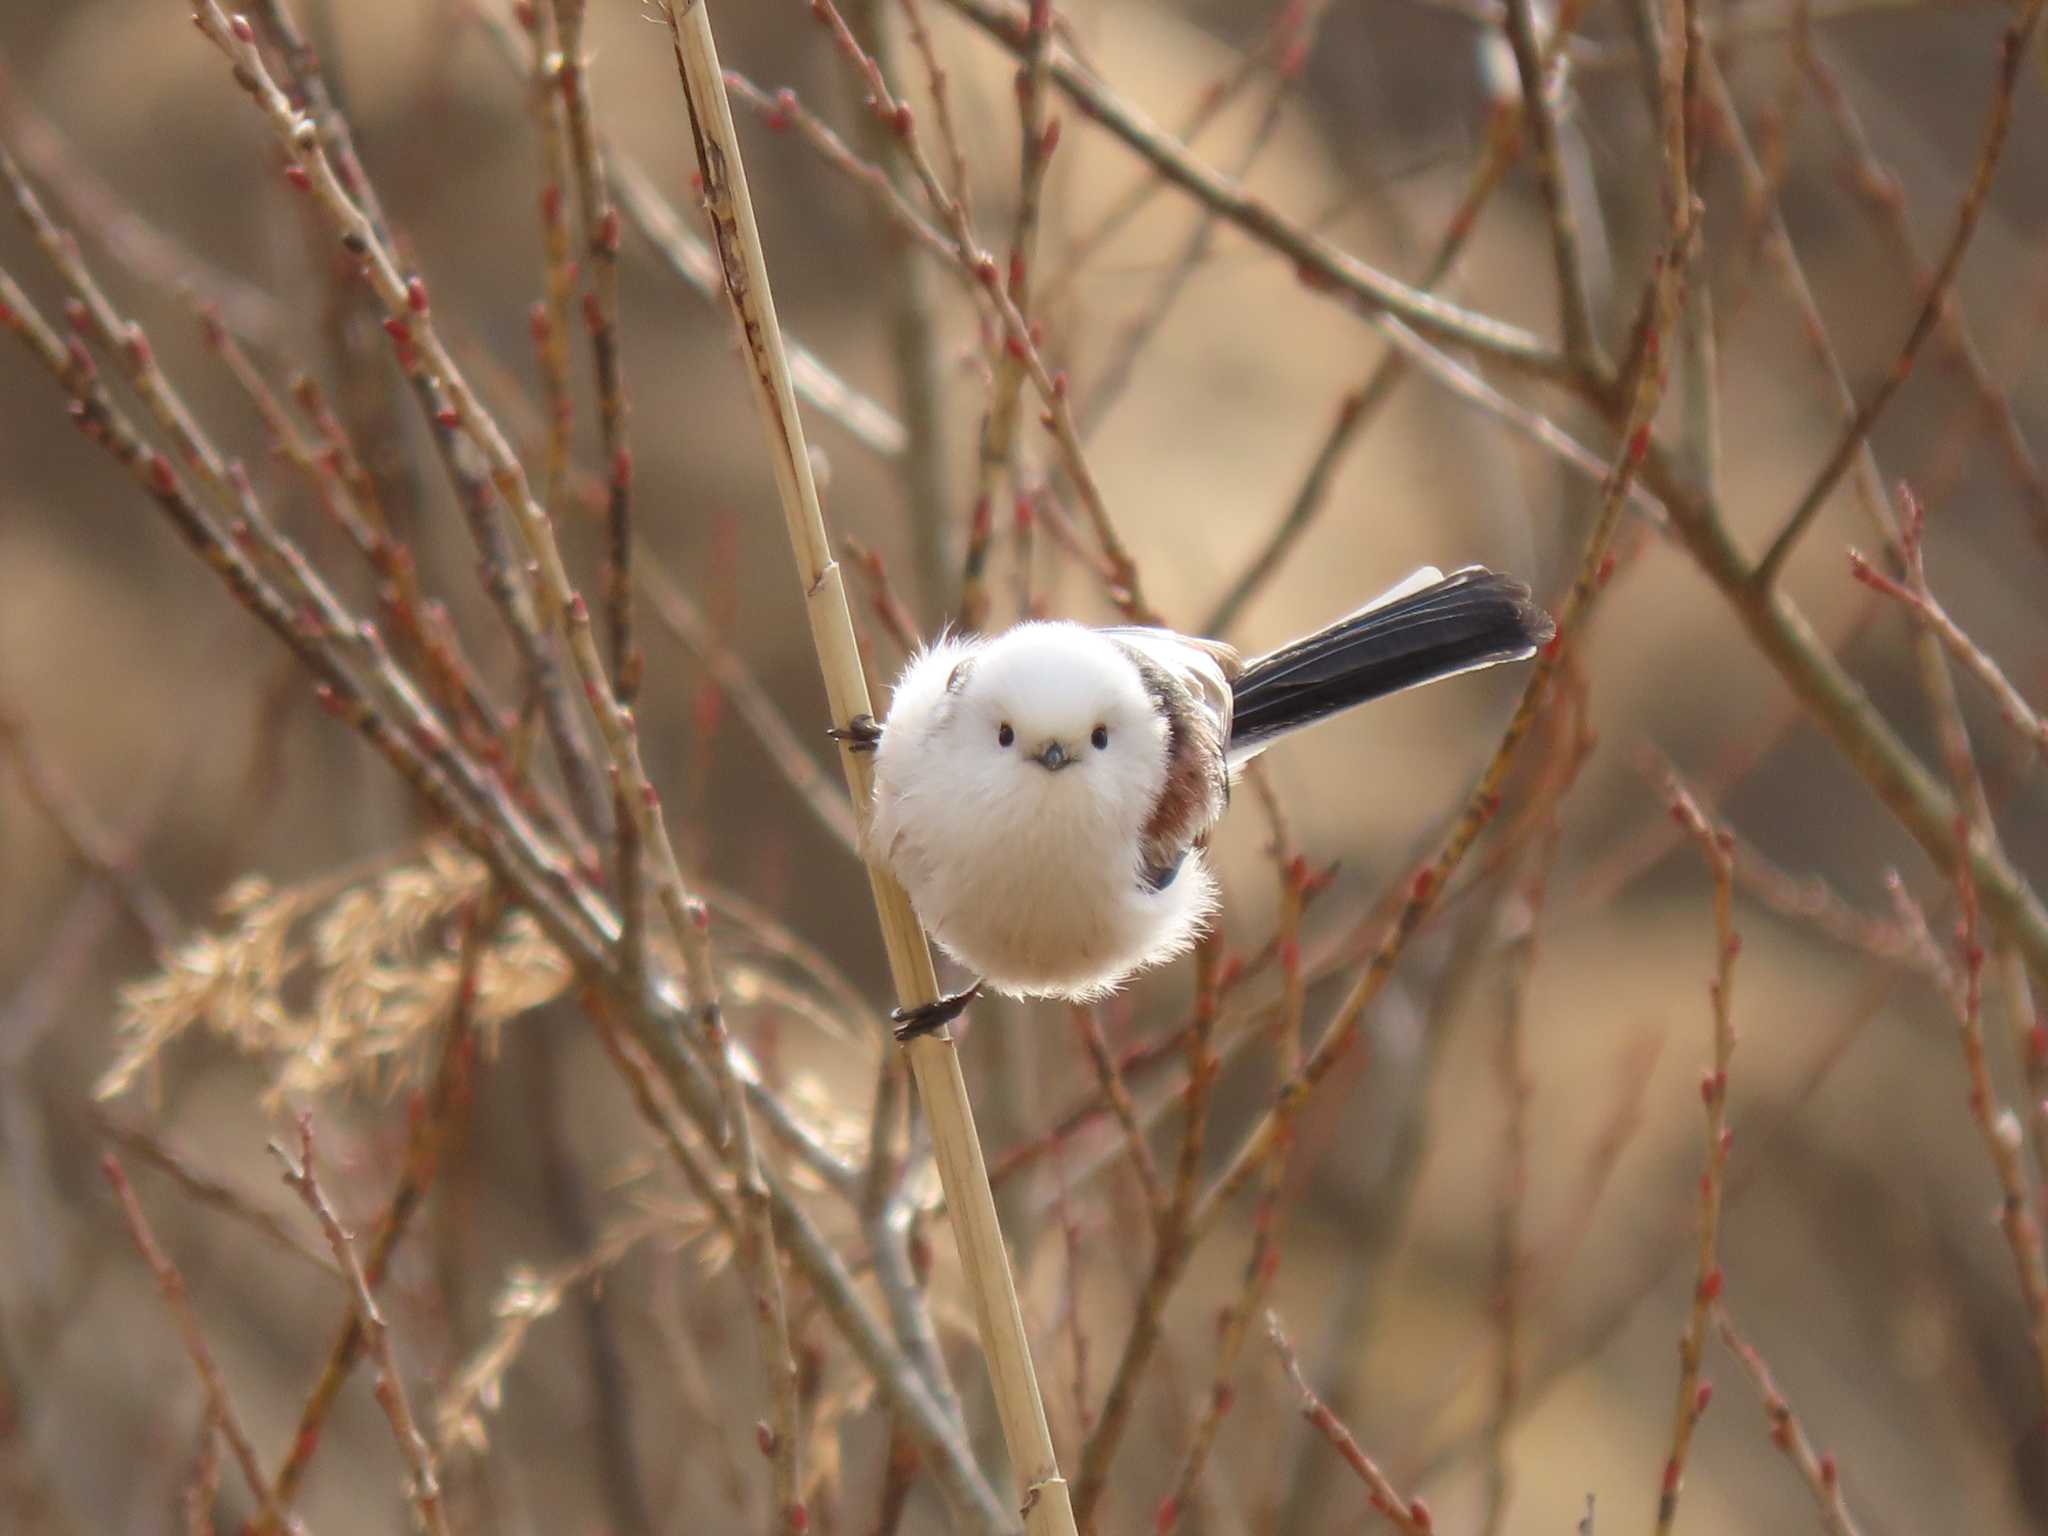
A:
(1027, 878)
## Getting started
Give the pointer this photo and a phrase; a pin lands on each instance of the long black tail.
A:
(1468, 619)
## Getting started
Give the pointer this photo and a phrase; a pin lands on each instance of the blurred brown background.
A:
(1859, 1244)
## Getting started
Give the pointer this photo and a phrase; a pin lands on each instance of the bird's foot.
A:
(912, 1022)
(860, 734)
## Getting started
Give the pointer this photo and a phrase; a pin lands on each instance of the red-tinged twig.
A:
(1321, 265)
(566, 1202)
(1038, 135)
(114, 223)
(1885, 195)
(1539, 118)
(202, 1483)
(681, 616)
(1718, 850)
(410, 318)
(1427, 886)
(534, 876)
(783, 110)
(1557, 1363)
(2004, 1137)
(1959, 756)
(1410, 1516)
(138, 896)
(908, 294)
(1070, 1297)
(960, 185)
(1359, 407)
(1723, 119)
(1170, 1245)
(1822, 1476)
(323, 165)
(1926, 610)
(996, 459)
(1808, 898)
(1775, 125)
(330, 643)
(220, 1407)
(1262, 1264)
(369, 401)
(424, 1489)
(1812, 900)
(440, 1106)
(1236, 1031)
(1840, 707)
(1123, 352)
(2012, 45)
(895, 619)
(1279, 49)
(94, 319)
(548, 322)
(601, 222)
(1019, 342)
(349, 495)
(208, 1189)
(1117, 1095)
(661, 1113)
(1511, 1257)
(686, 254)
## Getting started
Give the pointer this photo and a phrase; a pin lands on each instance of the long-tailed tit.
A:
(1042, 794)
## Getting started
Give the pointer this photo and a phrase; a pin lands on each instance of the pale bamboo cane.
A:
(1043, 1497)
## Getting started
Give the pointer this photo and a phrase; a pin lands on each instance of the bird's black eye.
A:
(1005, 735)
(1100, 738)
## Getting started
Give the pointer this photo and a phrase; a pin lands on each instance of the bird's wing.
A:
(1204, 668)
(1190, 682)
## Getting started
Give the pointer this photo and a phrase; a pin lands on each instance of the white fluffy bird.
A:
(1042, 794)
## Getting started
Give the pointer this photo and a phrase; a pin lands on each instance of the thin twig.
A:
(1885, 194)
(600, 222)
(1426, 887)
(2012, 53)
(1042, 1492)
(425, 1487)
(1321, 265)
(570, 915)
(207, 1189)
(914, 335)
(219, 1405)
(1925, 609)
(1410, 1516)
(139, 897)
(1789, 1435)
(548, 322)
(1693, 1394)
(676, 611)
(1539, 115)
(1088, 1030)
(996, 477)
(324, 164)
(686, 255)
(1019, 338)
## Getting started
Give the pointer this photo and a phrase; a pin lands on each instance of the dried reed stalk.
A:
(1044, 1500)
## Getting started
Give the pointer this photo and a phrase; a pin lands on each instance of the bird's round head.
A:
(1057, 706)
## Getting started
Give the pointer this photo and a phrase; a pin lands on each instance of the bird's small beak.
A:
(1052, 757)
